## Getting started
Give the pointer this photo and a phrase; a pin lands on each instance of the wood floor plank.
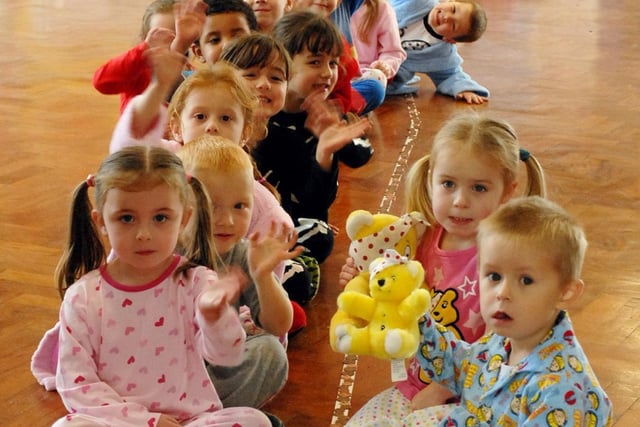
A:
(565, 75)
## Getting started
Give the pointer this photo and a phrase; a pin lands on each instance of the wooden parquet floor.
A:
(565, 74)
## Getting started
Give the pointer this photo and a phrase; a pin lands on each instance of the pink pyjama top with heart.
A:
(131, 354)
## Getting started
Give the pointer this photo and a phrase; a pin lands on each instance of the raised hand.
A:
(160, 37)
(225, 291)
(337, 136)
(190, 16)
(166, 64)
(268, 250)
(321, 113)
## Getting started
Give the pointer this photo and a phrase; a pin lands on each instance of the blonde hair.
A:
(482, 135)
(136, 168)
(370, 17)
(545, 224)
(221, 74)
(214, 154)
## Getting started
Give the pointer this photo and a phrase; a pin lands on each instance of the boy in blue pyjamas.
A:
(530, 370)
(428, 32)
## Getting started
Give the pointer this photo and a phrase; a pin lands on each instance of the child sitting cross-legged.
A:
(304, 142)
(226, 171)
(134, 330)
(531, 369)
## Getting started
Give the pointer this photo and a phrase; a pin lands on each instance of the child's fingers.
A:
(356, 129)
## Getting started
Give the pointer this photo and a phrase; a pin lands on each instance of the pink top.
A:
(136, 353)
(384, 38)
(266, 208)
(453, 279)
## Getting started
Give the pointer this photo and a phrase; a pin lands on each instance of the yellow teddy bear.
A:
(390, 311)
(370, 235)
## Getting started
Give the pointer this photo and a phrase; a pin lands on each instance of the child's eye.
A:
(240, 205)
(199, 116)
(126, 219)
(226, 118)
(334, 63)
(214, 40)
(494, 277)
(479, 188)
(448, 184)
(277, 78)
(526, 280)
(160, 218)
(249, 75)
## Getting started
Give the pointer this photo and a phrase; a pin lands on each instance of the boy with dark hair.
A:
(226, 21)
(429, 31)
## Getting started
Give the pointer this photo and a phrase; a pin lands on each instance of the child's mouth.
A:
(459, 220)
(501, 315)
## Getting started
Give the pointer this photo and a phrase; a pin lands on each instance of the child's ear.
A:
(175, 128)
(197, 52)
(247, 134)
(97, 218)
(186, 216)
(508, 192)
(570, 293)
(288, 6)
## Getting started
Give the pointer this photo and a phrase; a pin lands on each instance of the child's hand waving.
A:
(190, 16)
(266, 251)
(166, 64)
(226, 290)
(160, 37)
(321, 113)
(337, 136)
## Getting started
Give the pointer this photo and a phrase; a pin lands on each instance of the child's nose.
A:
(223, 216)
(212, 127)
(460, 198)
(503, 292)
(143, 233)
(263, 82)
(326, 71)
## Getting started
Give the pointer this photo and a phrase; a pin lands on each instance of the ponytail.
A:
(536, 183)
(418, 190)
(200, 249)
(84, 250)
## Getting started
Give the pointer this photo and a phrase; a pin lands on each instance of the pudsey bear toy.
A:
(371, 235)
(389, 313)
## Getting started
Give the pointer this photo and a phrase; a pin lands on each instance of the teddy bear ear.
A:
(374, 264)
(416, 269)
(356, 221)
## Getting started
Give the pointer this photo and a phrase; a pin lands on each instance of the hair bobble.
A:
(524, 155)
(189, 178)
(91, 180)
